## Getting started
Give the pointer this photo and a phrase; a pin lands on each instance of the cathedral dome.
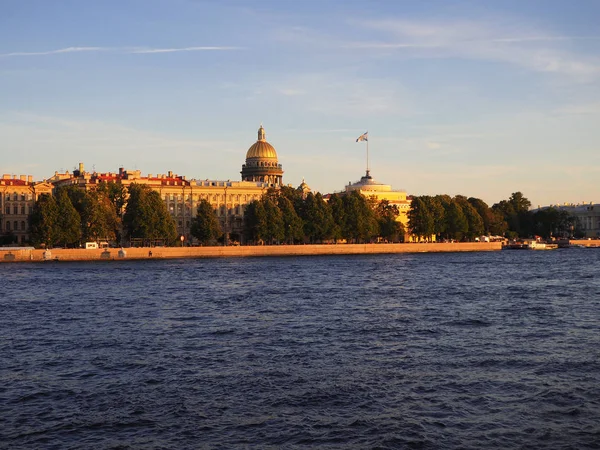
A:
(261, 162)
(261, 148)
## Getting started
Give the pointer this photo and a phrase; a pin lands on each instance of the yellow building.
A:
(17, 198)
(370, 188)
(260, 172)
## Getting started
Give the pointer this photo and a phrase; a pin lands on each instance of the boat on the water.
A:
(529, 244)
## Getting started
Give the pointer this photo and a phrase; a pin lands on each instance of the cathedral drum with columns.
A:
(261, 162)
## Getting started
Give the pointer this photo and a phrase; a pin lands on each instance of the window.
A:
(15, 209)
(7, 225)
(16, 224)
(22, 197)
(23, 209)
(23, 226)
(15, 196)
(7, 209)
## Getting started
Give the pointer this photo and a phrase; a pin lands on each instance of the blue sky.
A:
(478, 98)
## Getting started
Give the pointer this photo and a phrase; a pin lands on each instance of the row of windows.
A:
(15, 209)
(238, 209)
(16, 197)
(14, 226)
(213, 197)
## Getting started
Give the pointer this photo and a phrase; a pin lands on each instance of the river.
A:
(431, 351)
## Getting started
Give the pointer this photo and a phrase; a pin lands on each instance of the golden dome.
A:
(261, 148)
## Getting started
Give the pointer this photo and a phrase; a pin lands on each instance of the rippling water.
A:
(474, 350)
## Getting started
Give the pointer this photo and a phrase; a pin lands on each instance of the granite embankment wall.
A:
(586, 242)
(242, 251)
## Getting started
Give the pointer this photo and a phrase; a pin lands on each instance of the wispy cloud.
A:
(183, 49)
(123, 50)
(492, 41)
(58, 51)
(579, 109)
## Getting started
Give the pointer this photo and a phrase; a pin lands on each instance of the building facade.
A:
(17, 198)
(260, 172)
(587, 214)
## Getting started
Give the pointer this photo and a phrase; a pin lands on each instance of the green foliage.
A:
(116, 193)
(274, 220)
(456, 222)
(514, 212)
(205, 226)
(338, 213)
(255, 221)
(98, 216)
(42, 221)
(317, 218)
(68, 221)
(146, 216)
(389, 227)
(420, 219)
(552, 222)
(292, 223)
(475, 226)
(360, 222)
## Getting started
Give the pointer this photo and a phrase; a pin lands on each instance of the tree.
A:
(515, 213)
(484, 212)
(457, 225)
(98, 215)
(389, 227)
(42, 221)
(552, 222)
(116, 193)
(292, 223)
(474, 221)
(275, 227)
(361, 223)
(338, 213)
(437, 208)
(317, 218)
(205, 226)
(68, 221)
(420, 220)
(255, 221)
(146, 216)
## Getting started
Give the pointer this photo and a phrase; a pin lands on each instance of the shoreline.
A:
(147, 253)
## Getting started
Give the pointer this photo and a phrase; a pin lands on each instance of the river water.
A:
(432, 351)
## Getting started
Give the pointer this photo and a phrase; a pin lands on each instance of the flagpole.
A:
(367, 157)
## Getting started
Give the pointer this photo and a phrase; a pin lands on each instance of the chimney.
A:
(30, 179)
(23, 177)
(80, 168)
(170, 174)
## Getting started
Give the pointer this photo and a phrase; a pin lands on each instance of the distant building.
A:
(260, 172)
(370, 188)
(17, 197)
(587, 214)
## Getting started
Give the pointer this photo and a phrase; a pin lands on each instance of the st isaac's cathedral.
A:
(260, 172)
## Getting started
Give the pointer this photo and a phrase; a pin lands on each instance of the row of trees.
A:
(73, 216)
(284, 215)
(461, 218)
